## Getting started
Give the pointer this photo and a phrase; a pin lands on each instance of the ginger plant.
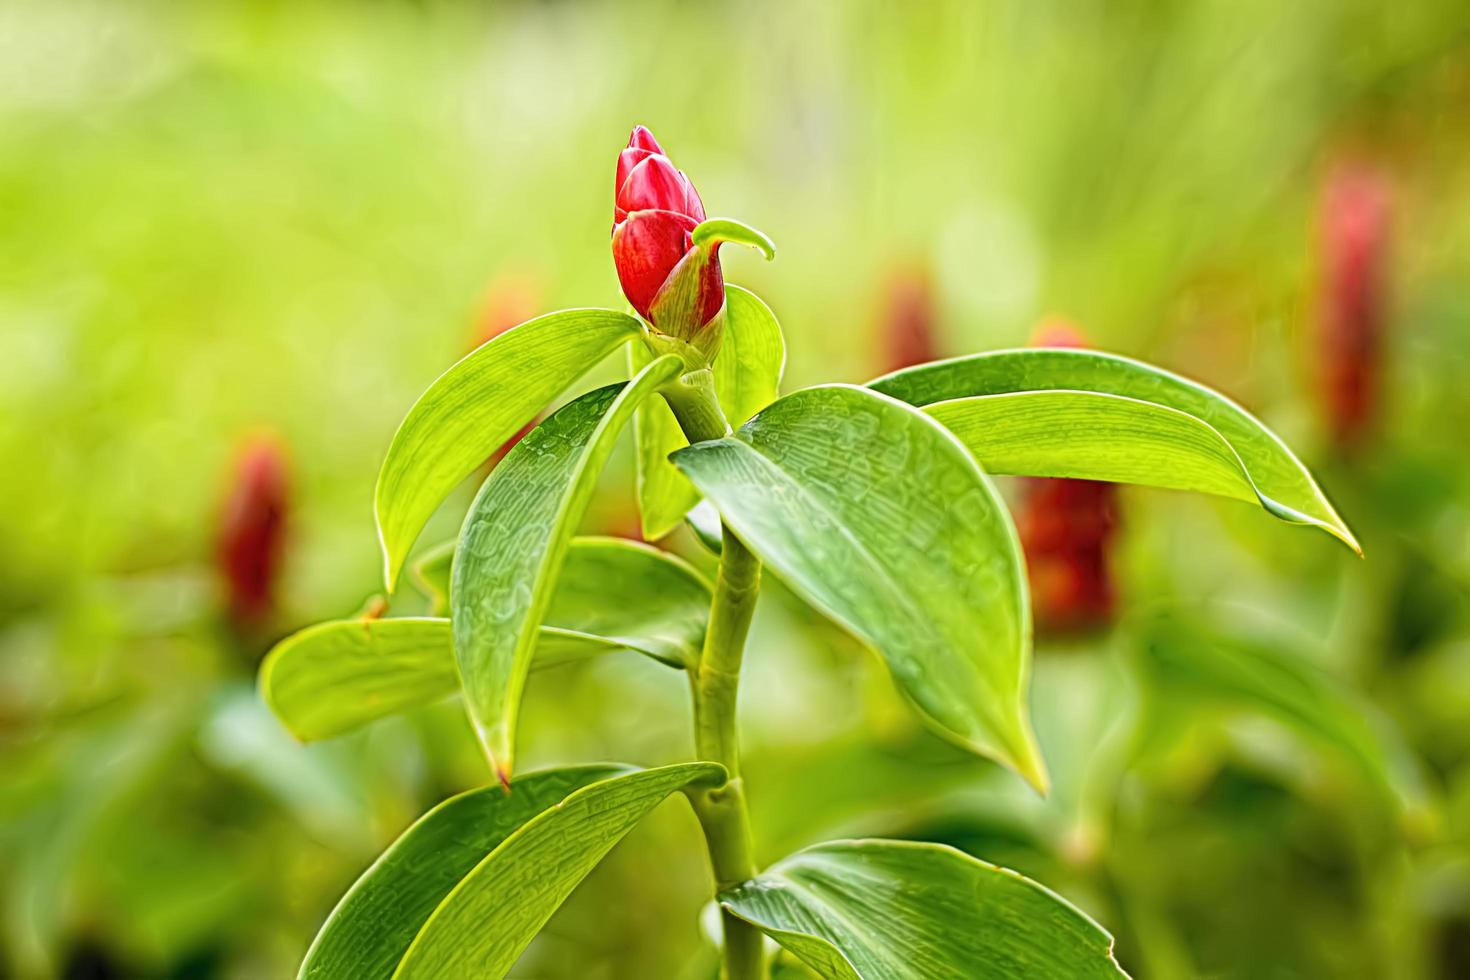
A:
(872, 503)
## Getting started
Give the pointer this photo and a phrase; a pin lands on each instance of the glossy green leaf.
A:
(612, 595)
(1094, 438)
(898, 910)
(512, 543)
(876, 515)
(373, 925)
(475, 406)
(332, 677)
(748, 374)
(490, 917)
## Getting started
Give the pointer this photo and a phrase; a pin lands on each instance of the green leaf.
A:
(490, 917)
(1093, 438)
(512, 544)
(634, 595)
(898, 910)
(373, 925)
(332, 677)
(475, 406)
(876, 515)
(704, 521)
(612, 595)
(748, 372)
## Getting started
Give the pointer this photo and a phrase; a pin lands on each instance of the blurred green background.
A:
(226, 217)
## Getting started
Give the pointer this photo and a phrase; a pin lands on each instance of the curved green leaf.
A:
(374, 923)
(748, 372)
(612, 595)
(1272, 474)
(490, 917)
(512, 543)
(898, 910)
(332, 677)
(876, 514)
(474, 407)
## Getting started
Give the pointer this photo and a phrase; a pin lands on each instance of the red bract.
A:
(252, 530)
(1066, 529)
(1355, 230)
(674, 284)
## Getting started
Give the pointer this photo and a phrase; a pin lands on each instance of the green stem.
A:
(692, 398)
(715, 683)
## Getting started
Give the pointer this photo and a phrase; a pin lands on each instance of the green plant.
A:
(871, 503)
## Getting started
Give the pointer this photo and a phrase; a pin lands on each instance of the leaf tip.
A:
(1030, 766)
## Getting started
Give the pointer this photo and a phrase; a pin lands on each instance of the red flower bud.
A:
(673, 283)
(509, 302)
(1066, 529)
(909, 334)
(252, 530)
(1354, 240)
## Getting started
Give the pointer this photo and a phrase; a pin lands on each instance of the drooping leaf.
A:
(490, 917)
(512, 543)
(899, 910)
(475, 406)
(1095, 438)
(876, 515)
(612, 595)
(373, 924)
(748, 372)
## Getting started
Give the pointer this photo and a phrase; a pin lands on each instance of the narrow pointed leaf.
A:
(612, 595)
(876, 515)
(511, 548)
(474, 407)
(897, 910)
(484, 924)
(373, 925)
(1271, 473)
(748, 374)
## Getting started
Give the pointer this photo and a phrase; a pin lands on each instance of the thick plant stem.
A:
(715, 683)
(722, 812)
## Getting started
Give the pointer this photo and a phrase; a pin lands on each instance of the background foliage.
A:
(228, 216)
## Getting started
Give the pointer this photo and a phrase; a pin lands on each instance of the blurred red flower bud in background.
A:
(1067, 528)
(908, 332)
(1354, 239)
(674, 284)
(252, 530)
(509, 301)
